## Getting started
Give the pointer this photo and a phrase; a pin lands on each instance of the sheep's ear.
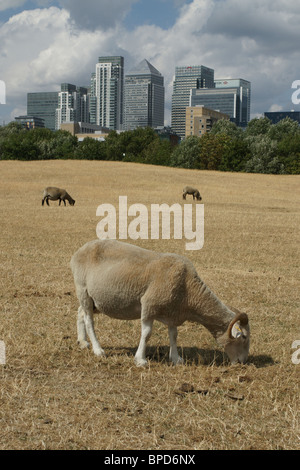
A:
(236, 331)
(235, 327)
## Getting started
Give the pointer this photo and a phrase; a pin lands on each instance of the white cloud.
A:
(274, 108)
(24, 38)
(92, 14)
(40, 50)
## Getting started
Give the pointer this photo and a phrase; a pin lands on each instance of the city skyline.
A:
(46, 43)
(119, 102)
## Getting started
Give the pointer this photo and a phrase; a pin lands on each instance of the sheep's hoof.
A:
(140, 362)
(83, 344)
(99, 352)
(177, 361)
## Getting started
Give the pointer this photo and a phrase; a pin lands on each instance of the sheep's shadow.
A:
(191, 356)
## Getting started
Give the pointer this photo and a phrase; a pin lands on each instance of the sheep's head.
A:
(237, 338)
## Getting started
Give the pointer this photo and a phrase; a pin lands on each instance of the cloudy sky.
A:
(44, 43)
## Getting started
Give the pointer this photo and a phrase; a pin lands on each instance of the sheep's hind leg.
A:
(140, 356)
(173, 355)
(81, 330)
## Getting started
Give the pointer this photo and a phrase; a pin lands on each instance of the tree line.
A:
(262, 147)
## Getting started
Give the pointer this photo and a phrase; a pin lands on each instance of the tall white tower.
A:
(108, 90)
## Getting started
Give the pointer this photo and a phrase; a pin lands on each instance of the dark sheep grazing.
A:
(194, 192)
(55, 194)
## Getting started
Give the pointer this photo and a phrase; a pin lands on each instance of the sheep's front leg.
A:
(89, 325)
(173, 355)
(86, 315)
(140, 356)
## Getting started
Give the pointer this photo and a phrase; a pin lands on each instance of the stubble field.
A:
(55, 396)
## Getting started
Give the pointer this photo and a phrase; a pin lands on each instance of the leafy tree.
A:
(158, 152)
(287, 127)
(186, 154)
(16, 148)
(226, 127)
(212, 148)
(138, 140)
(235, 155)
(90, 149)
(258, 126)
(65, 144)
(288, 152)
(114, 147)
(264, 156)
(12, 128)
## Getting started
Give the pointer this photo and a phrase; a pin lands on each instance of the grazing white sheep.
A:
(55, 194)
(127, 282)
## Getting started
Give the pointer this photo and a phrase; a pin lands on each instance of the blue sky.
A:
(45, 43)
(162, 13)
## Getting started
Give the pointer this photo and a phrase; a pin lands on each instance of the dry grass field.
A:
(55, 396)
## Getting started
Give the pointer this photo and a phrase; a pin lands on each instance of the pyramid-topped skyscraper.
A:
(144, 97)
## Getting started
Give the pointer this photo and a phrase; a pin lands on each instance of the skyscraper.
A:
(43, 105)
(73, 105)
(187, 78)
(144, 97)
(230, 96)
(107, 85)
(244, 97)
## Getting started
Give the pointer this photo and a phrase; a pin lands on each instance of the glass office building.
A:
(30, 122)
(187, 78)
(144, 97)
(277, 116)
(43, 105)
(232, 97)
